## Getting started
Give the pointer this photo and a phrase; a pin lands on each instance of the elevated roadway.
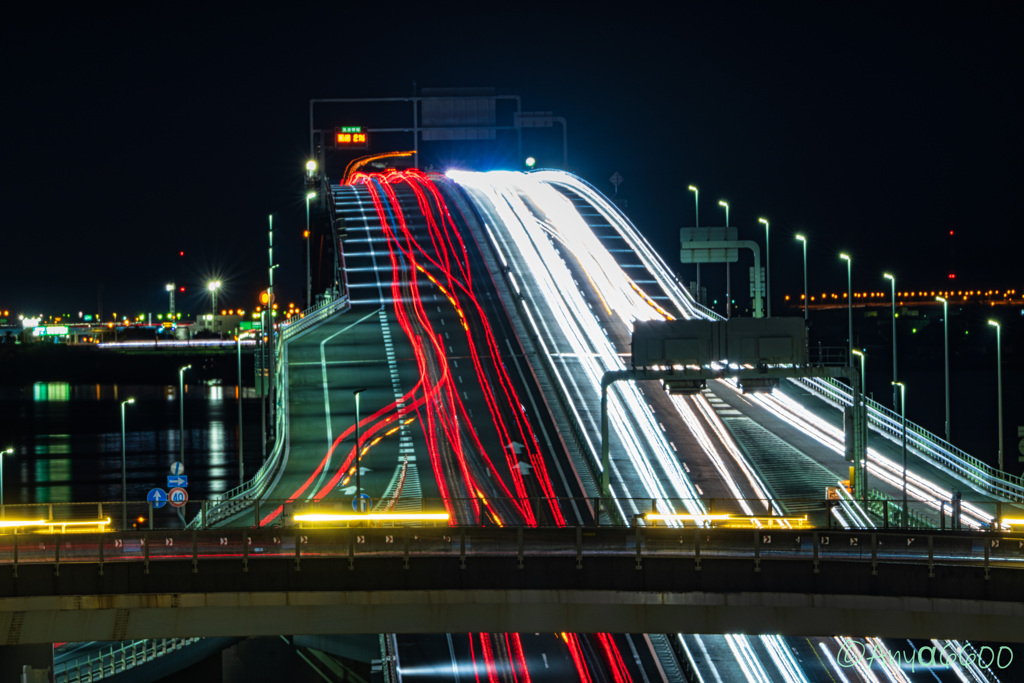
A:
(524, 579)
(478, 324)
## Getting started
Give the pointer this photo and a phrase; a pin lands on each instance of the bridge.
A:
(461, 355)
(229, 582)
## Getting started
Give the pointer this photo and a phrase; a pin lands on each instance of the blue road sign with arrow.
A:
(177, 480)
(158, 497)
(361, 502)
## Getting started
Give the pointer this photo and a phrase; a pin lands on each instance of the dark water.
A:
(67, 440)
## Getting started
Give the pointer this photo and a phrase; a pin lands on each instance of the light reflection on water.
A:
(67, 439)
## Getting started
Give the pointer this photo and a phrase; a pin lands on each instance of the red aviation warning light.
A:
(351, 137)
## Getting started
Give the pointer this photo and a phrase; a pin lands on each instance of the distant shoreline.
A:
(42, 362)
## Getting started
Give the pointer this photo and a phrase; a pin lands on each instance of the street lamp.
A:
(213, 286)
(309, 276)
(170, 293)
(903, 419)
(181, 406)
(696, 224)
(124, 470)
(892, 281)
(359, 482)
(310, 168)
(803, 240)
(728, 279)
(999, 384)
(2, 454)
(849, 297)
(945, 332)
(241, 428)
(767, 266)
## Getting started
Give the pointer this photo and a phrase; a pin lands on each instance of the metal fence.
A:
(115, 659)
(923, 443)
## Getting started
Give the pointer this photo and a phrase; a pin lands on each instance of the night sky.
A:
(131, 135)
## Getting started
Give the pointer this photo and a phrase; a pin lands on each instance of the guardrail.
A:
(923, 443)
(245, 546)
(115, 659)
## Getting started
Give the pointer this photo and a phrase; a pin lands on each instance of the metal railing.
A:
(245, 546)
(923, 443)
(114, 659)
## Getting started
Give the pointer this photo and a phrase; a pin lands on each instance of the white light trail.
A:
(516, 202)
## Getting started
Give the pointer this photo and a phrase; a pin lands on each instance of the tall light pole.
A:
(728, 279)
(181, 412)
(241, 462)
(124, 470)
(309, 272)
(767, 266)
(903, 419)
(269, 328)
(696, 224)
(999, 384)
(807, 295)
(2, 454)
(213, 286)
(895, 376)
(170, 293)
(945, 332)
(849, 298)
(359, 481)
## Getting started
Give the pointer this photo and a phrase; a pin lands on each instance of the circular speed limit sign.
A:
(177, 497)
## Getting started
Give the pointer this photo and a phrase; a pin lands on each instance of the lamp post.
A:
(696, 224)
(309, 272)
(124, 470)
(849, 297)
(767, 266)
(181, 412)
(945, 332)
(999, 384)
(728, 279)
(213, 286)
(269, 327)
(2, 454)
(903, 419)
(895, 375)
(807, 295)
(359, 480)
(169, 287)
(241, 439)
